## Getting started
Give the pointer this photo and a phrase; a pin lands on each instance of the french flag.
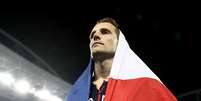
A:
(130, 79)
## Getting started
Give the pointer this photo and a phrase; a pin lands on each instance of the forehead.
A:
(104, 25)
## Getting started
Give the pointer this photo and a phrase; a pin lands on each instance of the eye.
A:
(105, 31)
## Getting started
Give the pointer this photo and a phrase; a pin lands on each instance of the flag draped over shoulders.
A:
(130, 79)
(80, 90)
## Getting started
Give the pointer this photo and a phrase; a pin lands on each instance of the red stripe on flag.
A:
(99, 95)
(141, 89)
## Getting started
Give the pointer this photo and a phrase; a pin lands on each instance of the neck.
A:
(102, 69)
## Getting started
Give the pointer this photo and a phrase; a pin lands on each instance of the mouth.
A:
(96, 43)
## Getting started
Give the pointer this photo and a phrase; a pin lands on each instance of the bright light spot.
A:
(45, 95)
(55, 98)
(7, 79)
(32, 90)
(22, 86)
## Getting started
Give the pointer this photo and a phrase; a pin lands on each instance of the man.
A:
(115, 72)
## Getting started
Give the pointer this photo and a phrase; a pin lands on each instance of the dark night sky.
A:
(164, 38)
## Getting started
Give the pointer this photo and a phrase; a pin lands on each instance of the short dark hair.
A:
(112, 21)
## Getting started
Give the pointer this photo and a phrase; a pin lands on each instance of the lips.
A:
(95, 43)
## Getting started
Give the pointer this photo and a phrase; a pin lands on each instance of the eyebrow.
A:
(105, 29)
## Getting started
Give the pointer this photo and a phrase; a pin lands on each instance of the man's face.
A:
(103, 39)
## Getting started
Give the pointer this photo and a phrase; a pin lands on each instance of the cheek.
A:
(115, 44)
(112, 44)
(90, 44)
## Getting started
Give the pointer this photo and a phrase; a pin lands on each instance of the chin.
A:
(97, 50)
(101, 55)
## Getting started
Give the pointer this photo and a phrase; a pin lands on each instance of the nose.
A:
(96, 37)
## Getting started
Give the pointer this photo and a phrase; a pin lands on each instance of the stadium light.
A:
(46, 95)
(22, 86)
(6, 78)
